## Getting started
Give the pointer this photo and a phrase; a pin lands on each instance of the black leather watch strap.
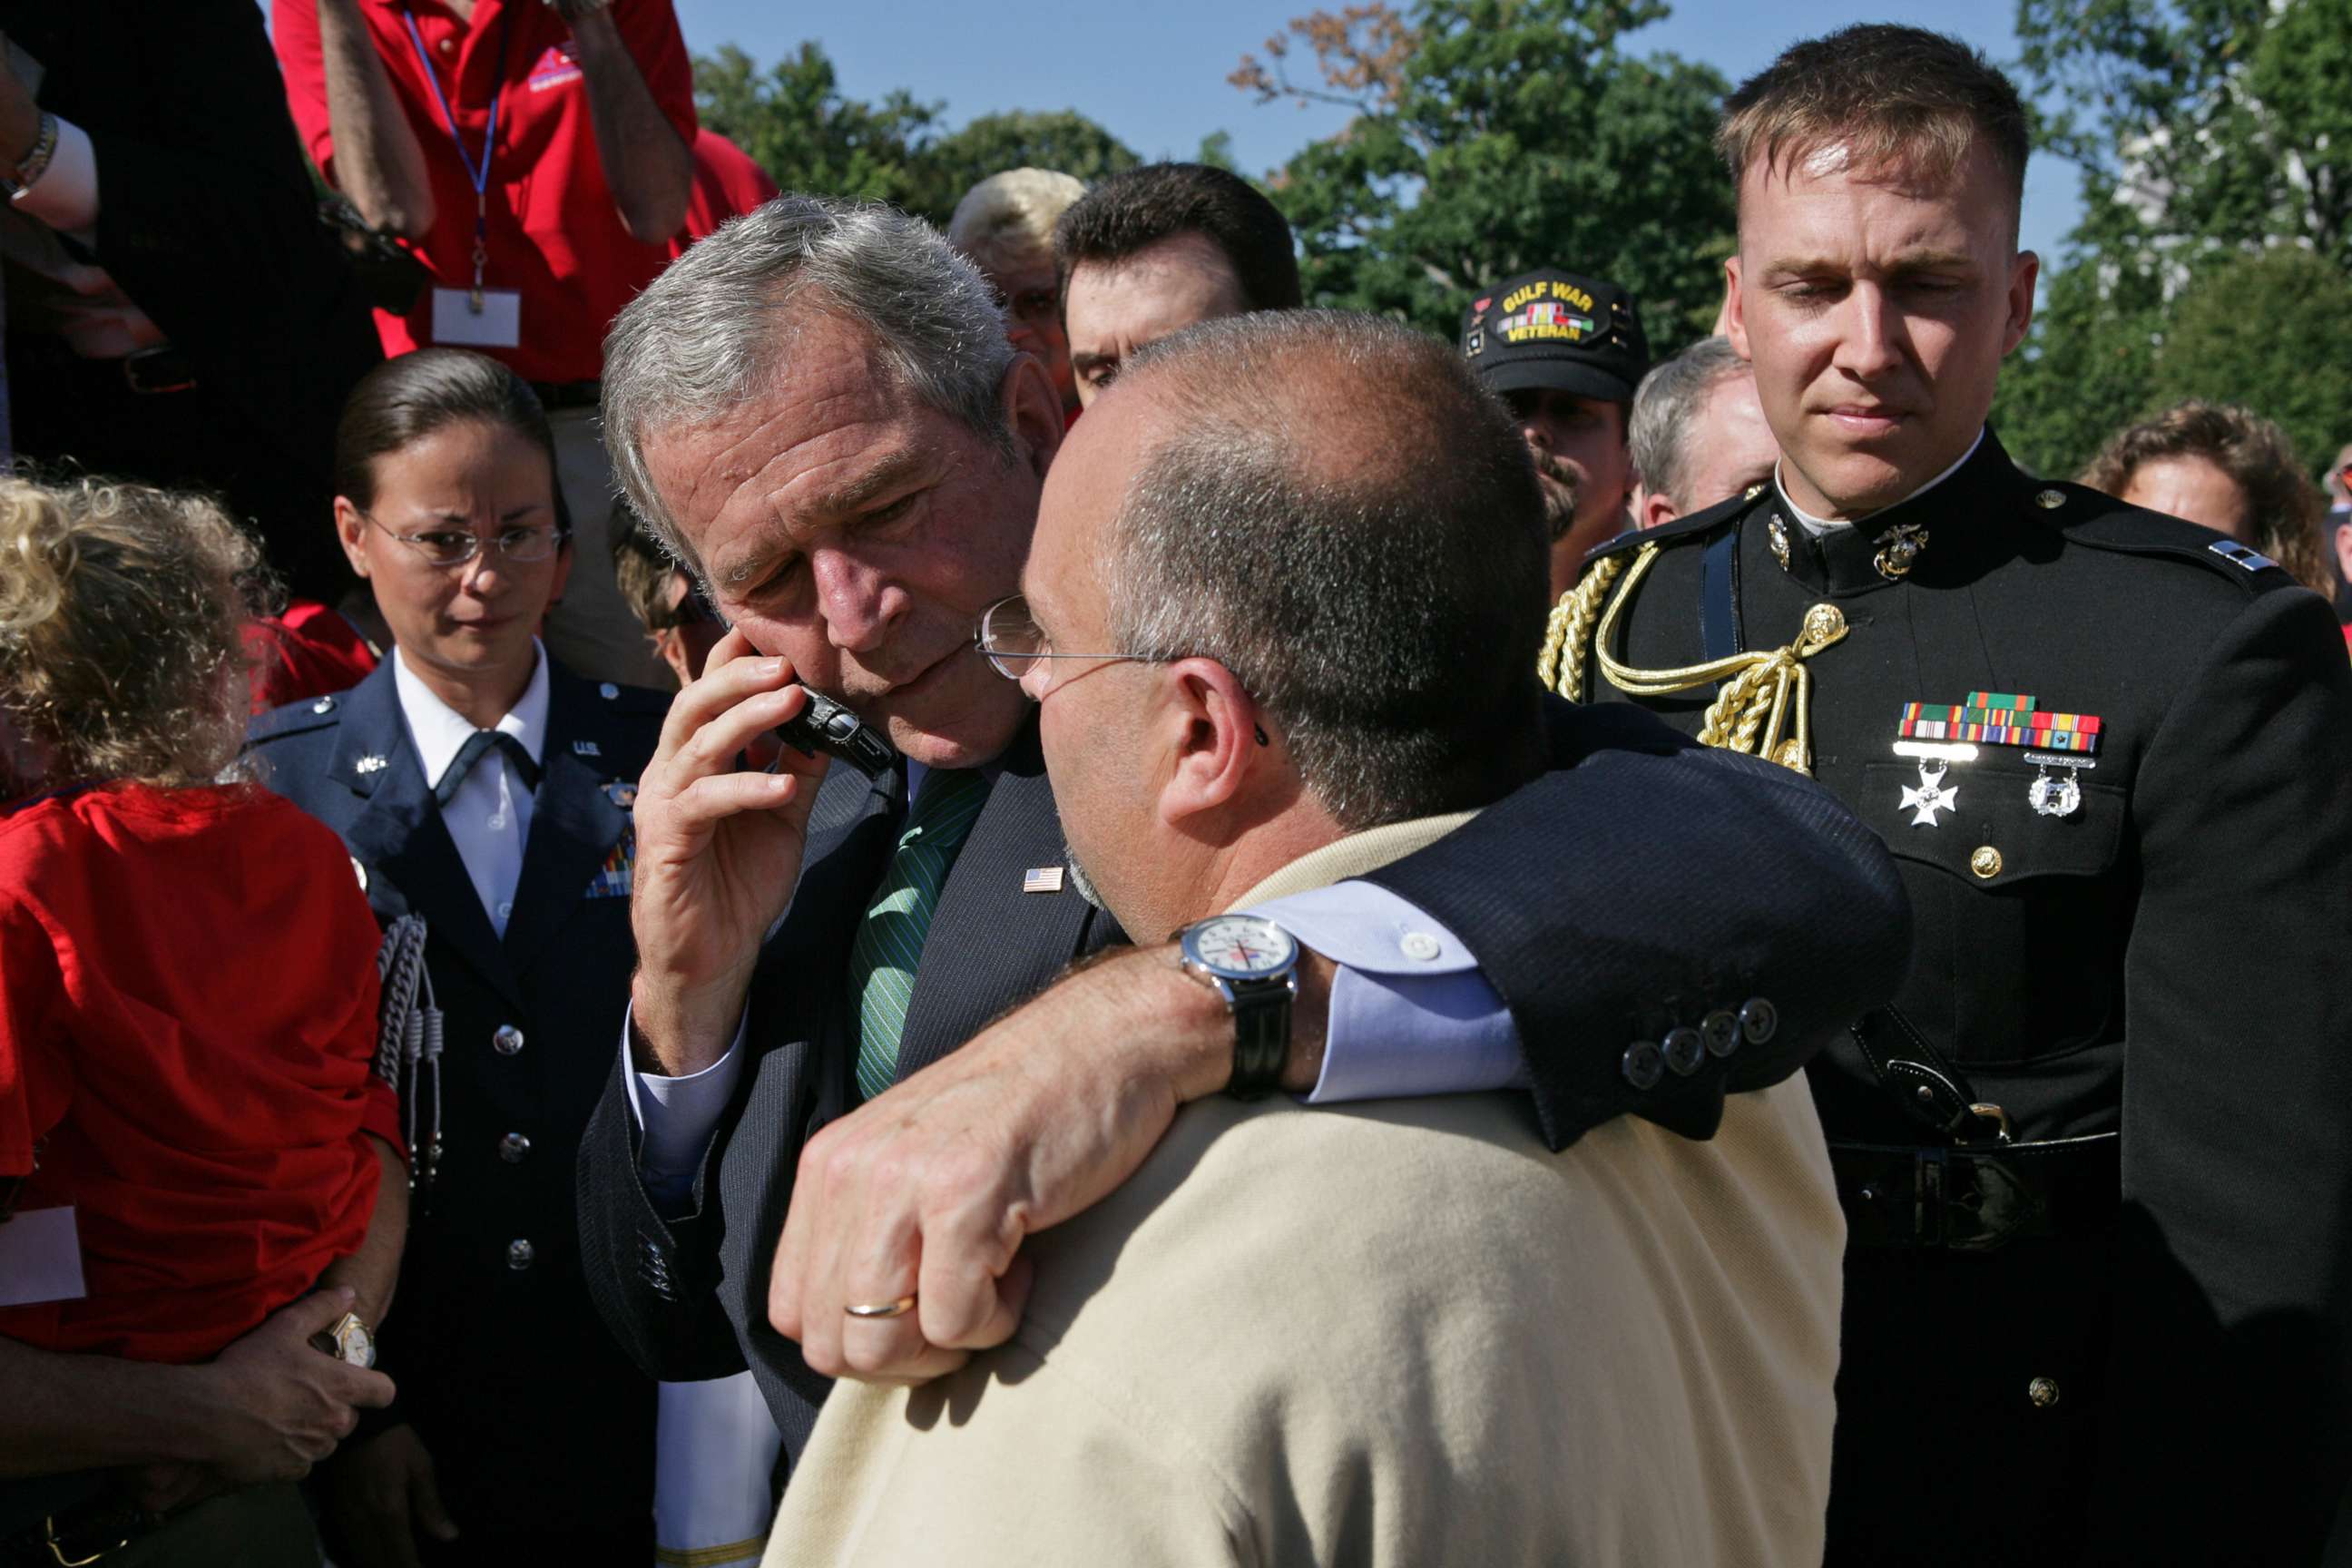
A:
(1261, 1036)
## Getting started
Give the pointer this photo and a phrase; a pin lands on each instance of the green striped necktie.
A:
(889, 944)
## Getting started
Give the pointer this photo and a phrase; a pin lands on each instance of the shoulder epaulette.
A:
(295, 718)
(1697, 525)
(2100, 522)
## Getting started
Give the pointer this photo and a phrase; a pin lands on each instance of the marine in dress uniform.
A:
(540, 1430)
(2093, 1159)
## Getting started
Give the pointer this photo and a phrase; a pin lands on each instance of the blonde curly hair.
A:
(121, 610)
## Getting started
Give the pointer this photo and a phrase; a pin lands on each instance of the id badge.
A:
(41, 1257)
(499, 325)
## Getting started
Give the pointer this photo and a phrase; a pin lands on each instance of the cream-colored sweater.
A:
(1393, 1333)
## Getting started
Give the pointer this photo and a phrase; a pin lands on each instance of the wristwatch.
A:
(348, 1340)
(1253, 963)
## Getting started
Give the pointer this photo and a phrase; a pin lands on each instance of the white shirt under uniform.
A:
(489, 816)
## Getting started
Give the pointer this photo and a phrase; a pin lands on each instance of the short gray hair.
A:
(1345, 520)
(1666, 405)
(713, 330)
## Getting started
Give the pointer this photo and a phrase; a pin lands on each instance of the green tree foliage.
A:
(2215, 141)
(1061, 139)
(796, 123)
(2273, 330)
(1491, 136)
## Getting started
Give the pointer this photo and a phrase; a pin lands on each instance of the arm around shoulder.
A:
(1646, 884)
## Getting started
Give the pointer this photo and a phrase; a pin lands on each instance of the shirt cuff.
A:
(1411, 1013)
(675, 1116)
(66, 195)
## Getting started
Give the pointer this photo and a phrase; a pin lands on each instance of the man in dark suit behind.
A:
(854, 481)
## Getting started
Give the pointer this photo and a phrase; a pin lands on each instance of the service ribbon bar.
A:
(2000, 719)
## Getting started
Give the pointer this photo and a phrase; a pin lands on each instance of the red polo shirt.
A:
(554, 235)
(187, 1023)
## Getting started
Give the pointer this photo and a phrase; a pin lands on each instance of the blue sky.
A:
(1155, 75)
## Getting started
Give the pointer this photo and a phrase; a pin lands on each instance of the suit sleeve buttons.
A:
(1758, 1020)
(1685, 1051)
(1721, 1031)
(1644, 1064)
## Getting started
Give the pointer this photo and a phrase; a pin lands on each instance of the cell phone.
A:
(826, 726)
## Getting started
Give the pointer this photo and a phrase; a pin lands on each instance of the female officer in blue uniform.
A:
(477, 785)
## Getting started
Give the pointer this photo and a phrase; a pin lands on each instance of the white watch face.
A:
(1241, 947)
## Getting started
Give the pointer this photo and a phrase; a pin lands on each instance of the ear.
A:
(1212, 728)
(1033, 410)
(2022, 274)
(669, 647)
(1733, 320)
(1652, 509)
(350, 530)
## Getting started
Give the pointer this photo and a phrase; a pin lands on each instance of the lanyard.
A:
(479, 175)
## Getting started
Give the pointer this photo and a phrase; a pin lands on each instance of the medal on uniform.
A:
(2059, 794)
(1935, 759)
(1931, 797)
(2050, 739)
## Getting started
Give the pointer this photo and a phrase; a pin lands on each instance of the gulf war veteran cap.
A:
(1549, 329)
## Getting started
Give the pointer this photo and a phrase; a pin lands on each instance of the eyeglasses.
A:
(453, 547)
(1014, 642)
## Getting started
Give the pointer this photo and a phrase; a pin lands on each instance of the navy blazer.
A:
(1641, 883)
(501, 1364)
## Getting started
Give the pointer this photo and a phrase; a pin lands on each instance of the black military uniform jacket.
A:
(2031, 1372)
(1736, 896)
(535, 1419)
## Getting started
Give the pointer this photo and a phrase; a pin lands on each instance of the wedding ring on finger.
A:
(897, 1309)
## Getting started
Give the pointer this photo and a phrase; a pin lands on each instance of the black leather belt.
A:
(1979, 1198)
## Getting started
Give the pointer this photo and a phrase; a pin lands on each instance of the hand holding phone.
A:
(826, 726)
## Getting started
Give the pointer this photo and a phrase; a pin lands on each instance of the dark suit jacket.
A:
(1643, 883)
(530, 1410)
(207, 220)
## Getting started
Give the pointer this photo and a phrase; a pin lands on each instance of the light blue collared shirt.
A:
(1411, 1015)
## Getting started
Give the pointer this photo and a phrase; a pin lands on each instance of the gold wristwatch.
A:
(348, 1340)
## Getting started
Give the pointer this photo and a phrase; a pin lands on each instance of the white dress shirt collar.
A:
(1817, 526)
(440, 729)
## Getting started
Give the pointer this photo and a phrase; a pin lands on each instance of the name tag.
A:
(41, 1257)
(456, 324)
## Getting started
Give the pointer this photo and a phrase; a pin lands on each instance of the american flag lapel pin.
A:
(1042, 879)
